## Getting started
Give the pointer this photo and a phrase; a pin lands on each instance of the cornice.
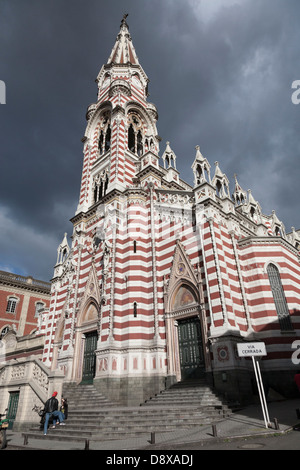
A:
(268, 240)
(84, 216)
(183, 312)
(182, 192)
(24, 283)
(149, 169)
(231, 215)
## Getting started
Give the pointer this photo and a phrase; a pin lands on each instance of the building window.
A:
(12, 305)
(135, 135)
(4, 331)
(135, 309)
(38, 306)
(279, 298)
(104, 134)
(100, 186)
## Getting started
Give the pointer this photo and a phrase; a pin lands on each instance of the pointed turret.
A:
(239, 195)
(123, 67)
(63, 250)
(278, 227)
(123, 51)
(253, 209)
(201, 168)
(221, 182)
(169, 157)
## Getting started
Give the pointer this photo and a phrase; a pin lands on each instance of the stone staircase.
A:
(94, 417)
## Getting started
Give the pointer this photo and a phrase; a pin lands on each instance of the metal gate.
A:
(89, 359)
(191, 348)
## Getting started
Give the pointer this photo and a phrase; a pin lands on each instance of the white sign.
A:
(251, 349)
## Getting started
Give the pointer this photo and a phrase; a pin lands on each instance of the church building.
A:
(163, 279)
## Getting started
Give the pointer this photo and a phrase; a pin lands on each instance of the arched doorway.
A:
(89, 357)
(86, 343)
(186, 357)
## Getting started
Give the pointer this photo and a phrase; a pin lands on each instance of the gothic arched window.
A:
(139, 144)
(219, 188)
(100, 142)
(131, 138)
(107, 138)
(279, 298)
(104, 134)
(135, 139)
(202, 174)
(100, 186)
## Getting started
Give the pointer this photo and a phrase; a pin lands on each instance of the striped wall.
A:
(144, 215)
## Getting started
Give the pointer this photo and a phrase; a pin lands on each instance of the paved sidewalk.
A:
(244, 423)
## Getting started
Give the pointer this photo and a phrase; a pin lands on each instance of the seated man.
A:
(51, 410)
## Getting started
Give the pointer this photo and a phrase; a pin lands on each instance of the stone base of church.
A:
(239, 385)
(130, 391)
(234, 385)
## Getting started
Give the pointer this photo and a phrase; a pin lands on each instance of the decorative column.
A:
(154, 264)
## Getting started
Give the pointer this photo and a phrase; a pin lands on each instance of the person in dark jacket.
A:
(64, 408)
(51, 410)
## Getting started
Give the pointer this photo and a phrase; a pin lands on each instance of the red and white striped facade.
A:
(149, 250)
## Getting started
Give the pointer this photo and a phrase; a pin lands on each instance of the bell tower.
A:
(121, 125)
(105, 289)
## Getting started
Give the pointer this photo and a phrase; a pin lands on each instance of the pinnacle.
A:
(123, 51)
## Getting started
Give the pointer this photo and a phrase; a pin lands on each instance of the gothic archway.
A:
(185, 319)
(185, 333)
(87, 323)
(86, 337)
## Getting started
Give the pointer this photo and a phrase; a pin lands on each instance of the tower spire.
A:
(123, 51)
(121, 125)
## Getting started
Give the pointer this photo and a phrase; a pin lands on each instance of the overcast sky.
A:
(220, 72)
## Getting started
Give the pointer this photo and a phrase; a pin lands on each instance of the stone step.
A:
(90, 402)
(176, 402)
(118, 430)
(92, 416)
(106, 427)
(146, 411)
(188, 392)
(136, 422)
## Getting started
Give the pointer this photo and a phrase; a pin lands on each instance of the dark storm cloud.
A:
(220, 75)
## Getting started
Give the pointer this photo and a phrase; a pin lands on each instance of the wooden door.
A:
(190, 348)
(89, 359)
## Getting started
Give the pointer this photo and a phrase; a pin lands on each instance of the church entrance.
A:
(191, 356)
(89, 358)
